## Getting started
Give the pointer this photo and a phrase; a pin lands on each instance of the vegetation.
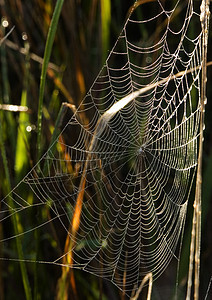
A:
(40, 70)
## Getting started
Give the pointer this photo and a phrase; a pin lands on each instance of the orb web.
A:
(126, 159)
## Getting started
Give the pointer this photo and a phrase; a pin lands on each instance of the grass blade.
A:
(105, 27)
(22, 144)
(47, 53)
(15, 222)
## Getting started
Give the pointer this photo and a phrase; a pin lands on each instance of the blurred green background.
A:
(86, 32)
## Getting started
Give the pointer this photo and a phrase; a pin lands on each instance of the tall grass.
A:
(76, 39)
(47, 53)
(15, 221)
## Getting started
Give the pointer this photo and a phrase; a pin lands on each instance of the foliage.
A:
(84, 35)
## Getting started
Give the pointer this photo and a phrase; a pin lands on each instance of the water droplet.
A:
(28, 128)
(24, 36)
(5, 23)
(148, 60)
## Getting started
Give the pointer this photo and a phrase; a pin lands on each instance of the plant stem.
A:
(15, 222)
(196, 225)
(47, 53)
(56, 132)
(204, 18)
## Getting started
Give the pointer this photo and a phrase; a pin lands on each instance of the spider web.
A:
(126, 159)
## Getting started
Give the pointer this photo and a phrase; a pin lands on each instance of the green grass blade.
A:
(56, 133)
(22, 145)
(105, 27)
(15, 222)
(47, 53)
